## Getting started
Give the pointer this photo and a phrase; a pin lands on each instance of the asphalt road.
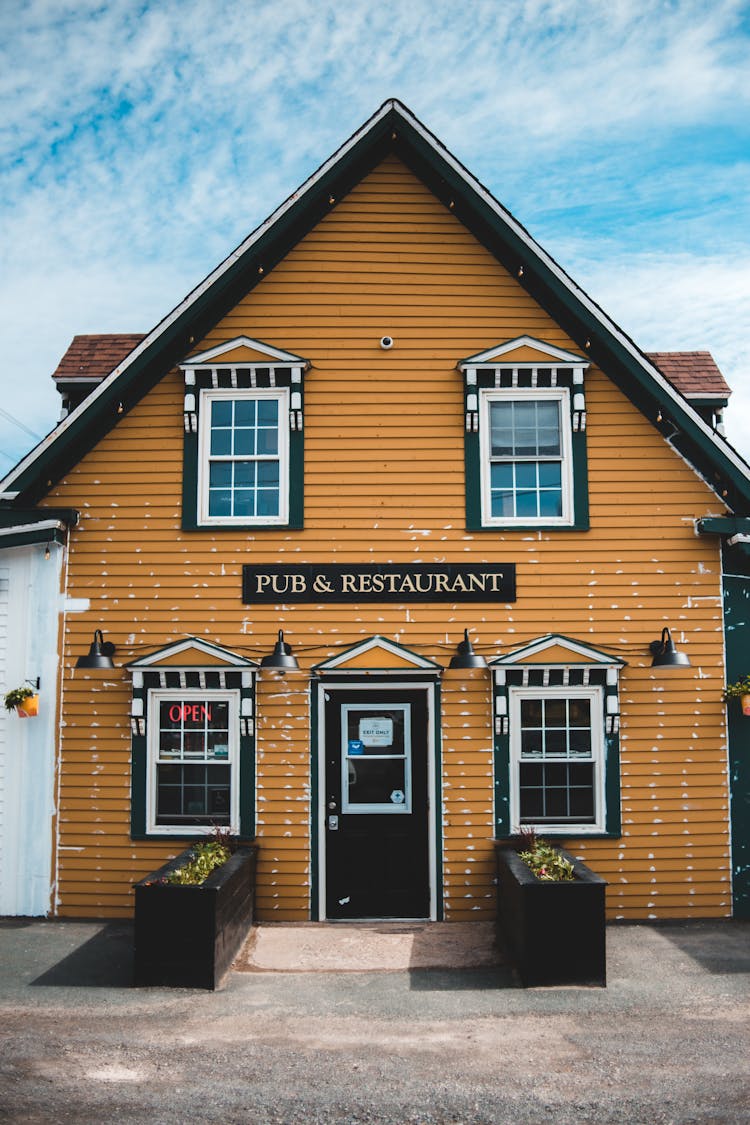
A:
(667, 1041)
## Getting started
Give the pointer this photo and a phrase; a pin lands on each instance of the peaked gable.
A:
(393, 128)
(242, 349)
(556, 650)
(378, 654)
(192, 652)
(524, 349)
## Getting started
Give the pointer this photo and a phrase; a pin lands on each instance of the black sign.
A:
(428, 582)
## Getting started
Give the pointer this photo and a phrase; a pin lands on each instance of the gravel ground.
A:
(668, 1041)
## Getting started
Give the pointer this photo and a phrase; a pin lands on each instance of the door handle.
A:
(333, 824)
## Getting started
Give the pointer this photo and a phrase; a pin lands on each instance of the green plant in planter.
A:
(207, 856)
(17, 697)
(738, 688)
(544, 859)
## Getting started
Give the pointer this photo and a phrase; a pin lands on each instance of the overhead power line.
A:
(20, 425)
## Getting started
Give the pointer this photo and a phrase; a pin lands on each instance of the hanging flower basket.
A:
(740, 689)
(29, 708)
(24, 701)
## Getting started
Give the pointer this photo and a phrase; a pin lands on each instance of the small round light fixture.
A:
(281, 659)
(386, 342)
(665, 655)
(465, 656)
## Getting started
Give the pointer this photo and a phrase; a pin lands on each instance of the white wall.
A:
(29, 620)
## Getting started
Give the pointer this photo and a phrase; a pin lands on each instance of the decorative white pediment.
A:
(554, 651)
(243, 350)
(192, 652)
(524, 350)
(378, 654)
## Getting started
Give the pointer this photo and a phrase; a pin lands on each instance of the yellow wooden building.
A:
(402, 544)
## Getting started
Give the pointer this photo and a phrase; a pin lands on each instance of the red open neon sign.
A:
(189, 712)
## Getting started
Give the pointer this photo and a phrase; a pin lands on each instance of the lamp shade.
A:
(465, 656)
(665, 655)
(282, 658)
(99, 655)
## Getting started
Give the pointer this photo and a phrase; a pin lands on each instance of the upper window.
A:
(556, 739)
(244, 437)
(526, 458)
(244, 460)
(525, 423)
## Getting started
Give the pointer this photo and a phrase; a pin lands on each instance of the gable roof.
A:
(392, 129)
(90, 358)
(695, 374)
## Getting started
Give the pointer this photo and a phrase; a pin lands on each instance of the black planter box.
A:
(553, 932)
(188, 936)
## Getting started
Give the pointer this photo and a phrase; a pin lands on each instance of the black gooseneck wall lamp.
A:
(282, 659)
(465, 656)
(664, 653)
(99, 655)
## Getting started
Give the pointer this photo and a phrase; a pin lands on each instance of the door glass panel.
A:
(376, 758)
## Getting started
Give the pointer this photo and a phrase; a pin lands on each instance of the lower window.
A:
(557, 766)
(192, 760)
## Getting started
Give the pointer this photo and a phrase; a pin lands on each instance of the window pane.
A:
(245, 412)
(221, 442)
(268, 412)
(268, 502)
(531, 743)
(373, 781)
(219, 503)
(221, 412)
(550, 503)
(220, 474)
(531, 712)
(549, 474)
(526, 504)
(555, 712)
(526, 475)
(580, 712)
(268, 474)
(244, 443)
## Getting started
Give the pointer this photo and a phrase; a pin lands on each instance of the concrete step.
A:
(308, 947)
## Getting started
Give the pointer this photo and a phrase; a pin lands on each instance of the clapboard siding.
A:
(384, 481)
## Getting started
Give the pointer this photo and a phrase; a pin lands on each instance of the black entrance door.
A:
(377, 856)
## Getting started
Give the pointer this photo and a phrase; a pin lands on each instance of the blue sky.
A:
(141, 142)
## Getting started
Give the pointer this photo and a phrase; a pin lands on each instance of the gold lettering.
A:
(348, 583)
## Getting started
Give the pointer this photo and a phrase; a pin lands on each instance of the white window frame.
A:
(560, 395)
(155, 697)
(281, 395)
(598, 750)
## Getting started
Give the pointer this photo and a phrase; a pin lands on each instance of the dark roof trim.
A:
(13, 516)
(392, 128)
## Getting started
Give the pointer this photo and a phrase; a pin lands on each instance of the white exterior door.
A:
(29, 623)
